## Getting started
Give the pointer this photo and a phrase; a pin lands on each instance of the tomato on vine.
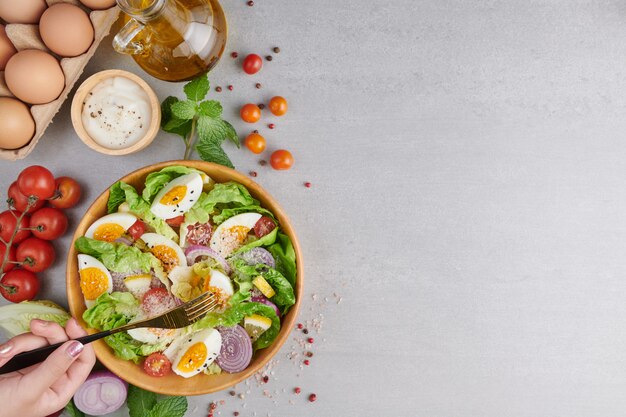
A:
(8, 224)
(48, 223)
(19, 201)
(19, 285)
(67, 193)
(35, 254)
(36, 181)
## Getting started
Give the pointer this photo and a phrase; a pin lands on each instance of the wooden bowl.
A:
(174, 384)
(77, 110)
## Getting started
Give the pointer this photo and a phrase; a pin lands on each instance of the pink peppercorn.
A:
(310, 340)
(307, 184)
(297, 390)
(234, 54)
(230, 87)
(271, 125)
(312, 397)
(306, 362)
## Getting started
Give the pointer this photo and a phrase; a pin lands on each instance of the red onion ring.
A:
(236, 352)
(102, 393)
(193, 252)
(123, 241)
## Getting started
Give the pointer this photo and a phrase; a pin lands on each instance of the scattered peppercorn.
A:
(310, 340)
(250, 3)
(276, 50)
(230, 87)
(309, 354)
(269, 58)
(254, 174)
(300, 326)
(218, 89)
(258, 85)
(261, 106)
(255, 131)
(266, 379)
(234, 54)
(307, 184)
(212, 406)
(297, 390)
(262, 162)
(306, 362)
(312, 397)
(305, 331)
(271, 125)
(232, 393)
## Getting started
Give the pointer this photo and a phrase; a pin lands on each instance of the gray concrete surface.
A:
(468, 201)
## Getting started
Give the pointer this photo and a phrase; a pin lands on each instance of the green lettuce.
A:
(223, 195)
(156, 180)
(227, 213)
(266, 240)
(235, 315)
(15, 318)
(139, 207)
(285, 257)
(116, 257)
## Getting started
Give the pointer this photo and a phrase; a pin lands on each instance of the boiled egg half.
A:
(186, 285)
(232, 234)
(165, 250)
(193, 353)
(178, 196)
(152, 336)
(111, 227)
(95, 279)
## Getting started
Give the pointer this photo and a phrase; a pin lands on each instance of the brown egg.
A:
(7, 50)
(66, 29)
(22, 11)
(98, 4)
(17, 123)
(34, 76)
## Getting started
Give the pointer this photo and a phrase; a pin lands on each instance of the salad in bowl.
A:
(167, 236)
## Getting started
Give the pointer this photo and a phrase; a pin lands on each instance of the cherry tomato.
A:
(38, 181)
(11, 258)
(67, 193)
(19, 285)
(198, 234)
(264, 226)
(255, 142)
(48, 223)
(137, 229)
(20, 202)
(252, 64)
(278, 106)
(176, 221)
(8, 223)
(250, 113)
(35, 254)
(157, 364)
(281, 159)
(156, 301)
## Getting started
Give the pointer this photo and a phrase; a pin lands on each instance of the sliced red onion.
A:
(261, 299)
(236, 352)
(102, 393)
(193, 252)
(258, 255)
(123, 241)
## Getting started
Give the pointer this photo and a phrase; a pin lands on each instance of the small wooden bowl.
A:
(174, 384)
(77, 109)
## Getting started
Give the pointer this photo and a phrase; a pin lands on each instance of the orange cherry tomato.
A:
(278, 106)
(250, 113)
(281, 159)
(255, 142)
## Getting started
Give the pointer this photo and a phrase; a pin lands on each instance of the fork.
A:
(177, 317)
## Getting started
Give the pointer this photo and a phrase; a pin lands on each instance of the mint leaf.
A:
(197, 89)
(179, 127)
(139, 401)
(211, 108)
(71, 409)
(213, 129)
(231, 134)
(169, 407)
(166, 109)
(211, 151)
(185, 110)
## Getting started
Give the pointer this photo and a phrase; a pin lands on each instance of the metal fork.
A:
(178, 317)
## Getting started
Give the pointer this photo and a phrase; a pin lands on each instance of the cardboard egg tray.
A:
(24, 36)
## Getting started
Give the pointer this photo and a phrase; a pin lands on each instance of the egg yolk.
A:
(166, 255)
(108, 232)
(174, 196)
(93, 282)
(193, 359)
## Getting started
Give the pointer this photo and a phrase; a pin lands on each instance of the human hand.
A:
(42, 389)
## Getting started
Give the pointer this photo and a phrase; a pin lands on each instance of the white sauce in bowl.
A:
(116, 113)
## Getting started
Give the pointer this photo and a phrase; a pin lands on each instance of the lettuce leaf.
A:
(15, 318)
(156, 180)
(227, 213)
(285, 257)
(199, 212)
(236, 314)
(284, 297)
(230, 193)
(116, 257)
(266, 240)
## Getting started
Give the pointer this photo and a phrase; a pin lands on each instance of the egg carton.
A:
(26, 36)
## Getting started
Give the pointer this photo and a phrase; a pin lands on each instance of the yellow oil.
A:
(184, 40)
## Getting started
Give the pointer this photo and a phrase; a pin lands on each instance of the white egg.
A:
(111, 226)
(195, 352)
(232, 234)
(178, 196)
(221, 282)
(95, 279)
(138, 285)
(153, 336)
(165, 250)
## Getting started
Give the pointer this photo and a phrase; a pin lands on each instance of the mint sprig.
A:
(196, 116)
(142, 403)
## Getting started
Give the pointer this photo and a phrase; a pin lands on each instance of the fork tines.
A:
(199, 306)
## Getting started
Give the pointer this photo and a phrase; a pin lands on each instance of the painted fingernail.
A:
(6, 348)
(74, 349)
(42, 323)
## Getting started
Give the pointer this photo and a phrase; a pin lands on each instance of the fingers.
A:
(54, 367)
(52, 331)
(19, 344)
(74, 331)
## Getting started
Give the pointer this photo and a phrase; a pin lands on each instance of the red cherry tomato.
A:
(137, 229)
(176, 221)
(35, 254)
(20, 202)
(281, 159)
(252, 64)
(38, 181)
(250, 113)
(19, 285)
(278, 106)
(48, 223)
(156, 301)
(11, 258)
(67, 193)
(157, 364)
(264, 226)
(8, 223)
(255, 142)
